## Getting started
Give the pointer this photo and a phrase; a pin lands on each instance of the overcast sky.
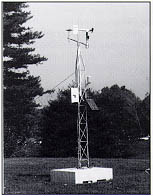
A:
(118, 51)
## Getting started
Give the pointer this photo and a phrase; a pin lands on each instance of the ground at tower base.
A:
(32, 176)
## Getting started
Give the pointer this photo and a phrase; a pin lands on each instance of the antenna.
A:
(81, 85)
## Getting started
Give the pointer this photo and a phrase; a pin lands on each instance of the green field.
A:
(31, 176)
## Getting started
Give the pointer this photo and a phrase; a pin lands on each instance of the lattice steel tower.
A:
(81, 83)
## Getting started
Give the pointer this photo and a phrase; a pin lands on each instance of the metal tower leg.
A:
(82, 124)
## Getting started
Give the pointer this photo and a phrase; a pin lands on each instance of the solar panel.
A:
(92, 104)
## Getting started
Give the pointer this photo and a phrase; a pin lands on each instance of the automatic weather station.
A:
(83, 173)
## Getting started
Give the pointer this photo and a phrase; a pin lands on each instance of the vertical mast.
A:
(81, 84)
(82, 123)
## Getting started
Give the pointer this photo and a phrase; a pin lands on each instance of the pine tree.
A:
(20, 88)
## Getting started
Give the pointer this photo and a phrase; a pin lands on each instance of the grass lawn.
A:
(31, 176)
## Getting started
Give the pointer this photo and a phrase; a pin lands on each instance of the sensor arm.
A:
(77, 41)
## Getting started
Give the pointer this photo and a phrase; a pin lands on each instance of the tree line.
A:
(122, 119)
(51, 131)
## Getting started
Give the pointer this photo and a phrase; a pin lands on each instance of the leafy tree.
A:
(20, 88)
(116, 124)
(59, 131)
(144, 115)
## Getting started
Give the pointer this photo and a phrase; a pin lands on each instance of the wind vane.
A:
(76, 31)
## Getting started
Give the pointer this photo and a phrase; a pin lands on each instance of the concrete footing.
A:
(80, 176)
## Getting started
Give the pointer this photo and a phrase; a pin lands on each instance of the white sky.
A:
(118, 51)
